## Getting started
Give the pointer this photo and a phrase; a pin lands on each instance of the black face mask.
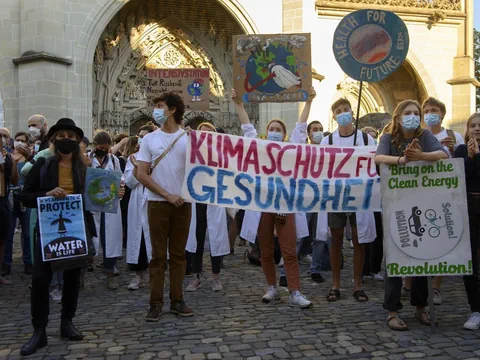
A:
(100, 153)
(65, 146)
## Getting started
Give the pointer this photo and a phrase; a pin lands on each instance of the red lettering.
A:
(269, 148)
(279, 160)
(305, 162)
(321, 159)
(252, 158)
(195, 154)
(219, 149)
(210, 161)
(233, 152)
(331, 160)
(359, 165)
(338, 174)
(371, 164)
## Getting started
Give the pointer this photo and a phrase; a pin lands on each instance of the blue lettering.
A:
(282, 191)
(346, 194)
(302, 183)
(335, 199)
(258, 190)
(221, 188)
(209, 191)
(368, 195)
(240, 186)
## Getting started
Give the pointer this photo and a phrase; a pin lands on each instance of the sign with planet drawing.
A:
(272, 68)
(101, 190)
(369, 45)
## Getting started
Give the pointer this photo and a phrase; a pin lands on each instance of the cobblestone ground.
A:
(236, 324)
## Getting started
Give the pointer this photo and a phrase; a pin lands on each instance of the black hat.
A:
(65, 124)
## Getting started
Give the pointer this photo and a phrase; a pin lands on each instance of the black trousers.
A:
(393, 293)
(374, 250)
(142, 262)
(40, 295)
(201, 231)
(471, 282)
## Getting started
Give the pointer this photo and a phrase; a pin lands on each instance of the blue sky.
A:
(477, 14)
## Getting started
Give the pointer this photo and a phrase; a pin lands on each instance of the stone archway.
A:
(171, 34)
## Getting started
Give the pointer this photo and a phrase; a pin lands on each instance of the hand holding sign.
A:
(414, 151)
(472, 148)
(58, 192)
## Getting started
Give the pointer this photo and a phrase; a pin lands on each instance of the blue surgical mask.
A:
(317, 137)
(344, 119)
(410, 122)
(432, 119)
(159, 116)
(36, 147)
(274, 136)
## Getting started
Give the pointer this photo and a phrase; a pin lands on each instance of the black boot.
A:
(37, 341)
(68, 330)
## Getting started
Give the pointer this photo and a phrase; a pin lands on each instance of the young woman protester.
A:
(471, 153)
(109, 226)
(211, 220)
(58, 176)
(285, 224)
(403, 141)
(139, 247)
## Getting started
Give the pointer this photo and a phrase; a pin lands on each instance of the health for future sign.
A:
(425, 219)
(261, 175)
(62, 227)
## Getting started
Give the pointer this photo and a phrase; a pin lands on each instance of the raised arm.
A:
(308, 105)
(299, 134)
(242, 113)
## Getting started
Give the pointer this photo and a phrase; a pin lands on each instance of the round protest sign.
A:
(369, 45)
(426, 227)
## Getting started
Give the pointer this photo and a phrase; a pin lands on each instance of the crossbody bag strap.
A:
(167, 150)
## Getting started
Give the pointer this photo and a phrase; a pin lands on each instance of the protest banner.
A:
(272, 68)
(193, 85)
(101, 190)
(425, 219)
(62, 227)
(255, 174)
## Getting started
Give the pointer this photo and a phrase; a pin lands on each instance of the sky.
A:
(477, 14)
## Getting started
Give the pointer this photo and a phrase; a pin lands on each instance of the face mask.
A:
(317, 137)
(140, 140)
(65, 146)
(344, 119)
(432, 119)
(36, 147)
(411, 122)
(34, 132)
(159, 116)
(100, 153)
(274, 136)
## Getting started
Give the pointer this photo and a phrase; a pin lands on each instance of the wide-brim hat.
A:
(65, 124)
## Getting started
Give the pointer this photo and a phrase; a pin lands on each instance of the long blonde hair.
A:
(394, 127)
(469, 122)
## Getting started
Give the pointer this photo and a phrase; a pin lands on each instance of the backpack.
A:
(254, 255)
(364, 135)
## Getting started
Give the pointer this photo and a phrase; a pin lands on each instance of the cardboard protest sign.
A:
(272, 68)
(369, 45)
(261, 175)
(62, 227)
(101, 190)
(193, 85)
(425, 219)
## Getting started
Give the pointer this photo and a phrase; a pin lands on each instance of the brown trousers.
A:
(169, 227)
(287, 237)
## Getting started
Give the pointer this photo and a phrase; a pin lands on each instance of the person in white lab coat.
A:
(109, 226)
(284, 223)
(211, 220)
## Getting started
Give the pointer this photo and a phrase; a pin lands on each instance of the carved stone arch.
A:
(196, 117)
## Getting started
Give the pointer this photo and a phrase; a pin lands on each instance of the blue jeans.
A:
(320, 256)
(24, 217)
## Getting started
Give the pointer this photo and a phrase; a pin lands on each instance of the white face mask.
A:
(317, 137)
(34, 132)
(18, 143)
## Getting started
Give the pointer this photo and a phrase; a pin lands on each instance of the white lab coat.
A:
(113, 222)
(365, 227)
(216, 229)
(137, 217)
(251, 220)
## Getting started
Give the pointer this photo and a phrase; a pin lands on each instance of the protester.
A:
(9, 176)
(162, 154)
(285, 224)
(470, 152)
(403, 141)
(211, 220)
(139, 247)
(315, 132)
(371, 131)
(108, 225)
(38, 129)
(57, 176)
(361, 223)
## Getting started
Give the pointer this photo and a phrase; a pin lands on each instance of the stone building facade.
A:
(86, 59)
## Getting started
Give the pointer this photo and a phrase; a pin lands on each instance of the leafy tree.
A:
(477, 62)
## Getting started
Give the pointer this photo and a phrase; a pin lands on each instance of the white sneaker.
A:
(194, 285)
(437, 297)
(216, 285)
(271, 294)
(473, 322)
(135, 284)
(307, 259)
(297, 299)
(377, 277)
(56, 295)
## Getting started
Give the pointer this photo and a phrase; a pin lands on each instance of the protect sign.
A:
(425, 219)
(369, 45)
(261, 175)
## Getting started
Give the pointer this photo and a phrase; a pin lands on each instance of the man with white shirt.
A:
(434, 112)
(344, 136)
(165, 151)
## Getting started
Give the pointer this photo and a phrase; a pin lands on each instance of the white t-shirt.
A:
(339, 140)
(170, 171)
(443, 134)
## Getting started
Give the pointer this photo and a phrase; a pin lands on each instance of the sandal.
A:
(360, 296)
(423, 317)
(401, 325)
(333, 295)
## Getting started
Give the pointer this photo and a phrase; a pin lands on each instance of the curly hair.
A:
(394, 127)
(173, 101)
